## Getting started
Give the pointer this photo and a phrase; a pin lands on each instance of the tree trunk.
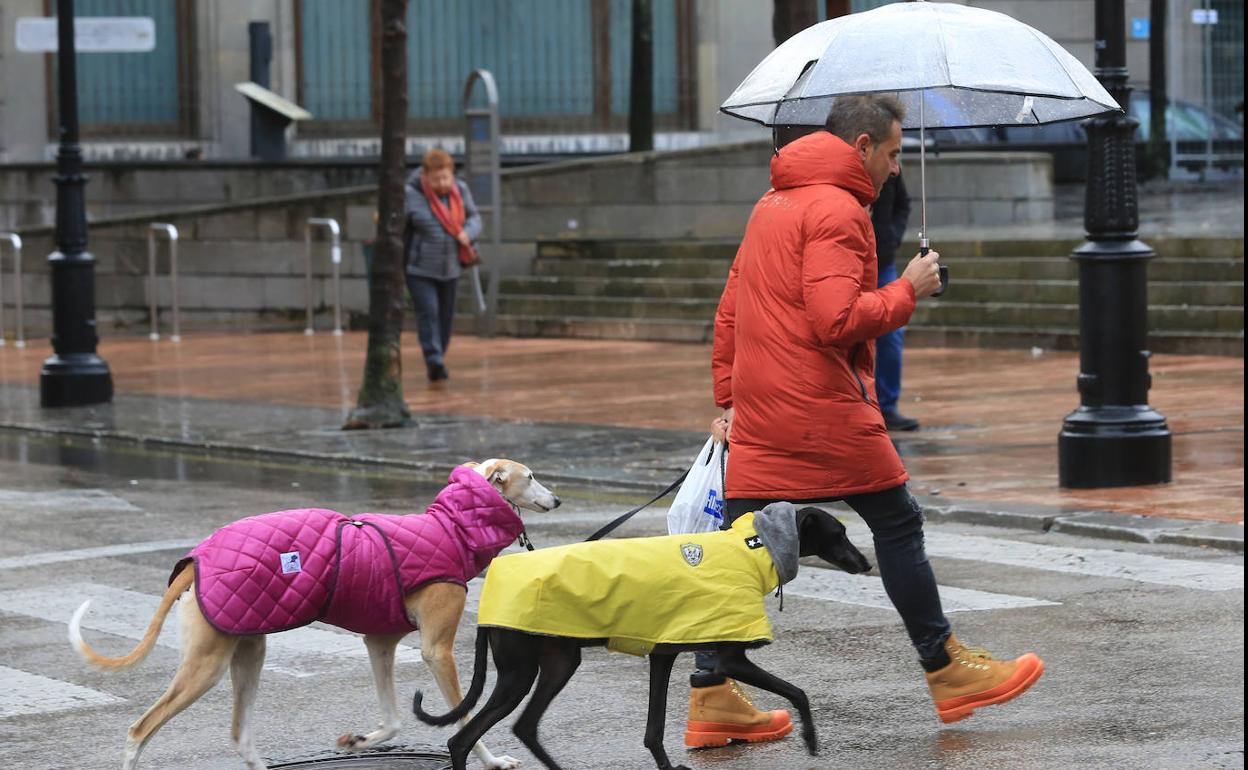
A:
(380, 401)
(788, 17)
(641, 80)
(1158, 93)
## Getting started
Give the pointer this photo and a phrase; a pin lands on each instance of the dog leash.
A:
(617, 521)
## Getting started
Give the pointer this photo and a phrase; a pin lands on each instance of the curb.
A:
(1100, 524)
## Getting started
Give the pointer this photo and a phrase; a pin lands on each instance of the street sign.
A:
(1204, 16)
(92, 34)
(1139, 28)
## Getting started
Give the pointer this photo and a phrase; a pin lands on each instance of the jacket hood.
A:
(776, 526)
(822, 158)
(486, 521)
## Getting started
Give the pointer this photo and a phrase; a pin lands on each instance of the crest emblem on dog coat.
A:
(283, 570)
(638, 592)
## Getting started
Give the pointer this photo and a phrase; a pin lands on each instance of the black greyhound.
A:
(522, 657)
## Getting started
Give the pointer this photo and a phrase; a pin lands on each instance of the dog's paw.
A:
(350, 741)
(812, 743)
(503, 763)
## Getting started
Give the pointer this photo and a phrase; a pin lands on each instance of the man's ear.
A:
(862, 143)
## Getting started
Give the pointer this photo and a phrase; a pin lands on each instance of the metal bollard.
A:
(171, 233)
(16, 242)
(335, 257)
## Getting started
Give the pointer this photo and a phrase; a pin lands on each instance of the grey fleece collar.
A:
(776, 526)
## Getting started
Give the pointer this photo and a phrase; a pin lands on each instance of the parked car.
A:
(1189, 125)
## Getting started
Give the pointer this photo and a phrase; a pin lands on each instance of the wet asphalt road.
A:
(1142, 673)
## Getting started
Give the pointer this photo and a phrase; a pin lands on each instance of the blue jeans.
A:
(888, 355)
(896, 522)
(435, 313)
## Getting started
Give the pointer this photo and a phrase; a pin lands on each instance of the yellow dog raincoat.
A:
(639, 592)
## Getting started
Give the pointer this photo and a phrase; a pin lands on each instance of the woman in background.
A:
(442, 223)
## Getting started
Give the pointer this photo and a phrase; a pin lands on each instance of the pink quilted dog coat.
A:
(287, 569)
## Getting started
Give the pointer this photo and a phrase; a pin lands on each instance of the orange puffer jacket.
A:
(795, 334)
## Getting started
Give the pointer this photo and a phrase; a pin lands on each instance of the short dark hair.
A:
(870, 114)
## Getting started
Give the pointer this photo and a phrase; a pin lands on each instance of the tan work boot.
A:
(973, 679)
(723, 713)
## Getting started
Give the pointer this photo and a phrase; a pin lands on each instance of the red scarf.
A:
(452, 220)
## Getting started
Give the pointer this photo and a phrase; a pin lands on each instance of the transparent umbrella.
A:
(952, 66)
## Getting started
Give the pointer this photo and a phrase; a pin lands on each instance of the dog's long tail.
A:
(474, 690)
(179, 584)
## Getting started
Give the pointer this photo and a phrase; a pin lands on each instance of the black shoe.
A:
(438, 372)
(897, 421)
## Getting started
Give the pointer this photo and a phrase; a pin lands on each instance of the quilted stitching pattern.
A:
(242, 589)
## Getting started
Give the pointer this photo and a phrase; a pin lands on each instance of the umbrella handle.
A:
(944, 271)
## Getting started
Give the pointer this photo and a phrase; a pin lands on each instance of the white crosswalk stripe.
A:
(25, 693)
(101, 552)
(1090, 562)
(302, 652)
(868, 591)
(77, 500)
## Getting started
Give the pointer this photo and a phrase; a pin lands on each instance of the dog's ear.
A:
(499, 474)
(815, 527)
(471, 464)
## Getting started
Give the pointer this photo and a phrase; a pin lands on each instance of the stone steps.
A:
(1027, 296)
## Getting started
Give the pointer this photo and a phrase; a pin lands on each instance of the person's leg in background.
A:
(446, 315)
(888, 351)
(961, 679)
(424, 293)
(719, 709)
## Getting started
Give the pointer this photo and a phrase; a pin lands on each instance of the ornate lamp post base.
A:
(1113, 446)
(75, 379)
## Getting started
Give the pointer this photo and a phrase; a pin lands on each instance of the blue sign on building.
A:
(1139, 28)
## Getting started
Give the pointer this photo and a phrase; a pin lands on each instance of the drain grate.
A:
(387, 758)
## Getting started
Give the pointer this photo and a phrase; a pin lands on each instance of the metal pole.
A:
(74, 375)
(1114, 438)
(173, 282)
(307, 278)
(154, 333)
(171, 233)
(335, 258)
(15, 241)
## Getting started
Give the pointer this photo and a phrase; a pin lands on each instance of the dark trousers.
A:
(435, 313)
(888, 350)
(896, 522)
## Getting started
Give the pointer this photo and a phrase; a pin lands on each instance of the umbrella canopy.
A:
(953, 66)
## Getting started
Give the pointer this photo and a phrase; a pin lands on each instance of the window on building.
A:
(560, 65)
(135, 94)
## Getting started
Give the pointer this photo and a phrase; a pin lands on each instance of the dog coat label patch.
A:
(692, 553)
(291, 563)
(753, 541)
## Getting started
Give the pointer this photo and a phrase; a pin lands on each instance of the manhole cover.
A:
(391, 758)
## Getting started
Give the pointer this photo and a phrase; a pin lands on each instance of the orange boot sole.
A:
(1029, 670)
(705, 735)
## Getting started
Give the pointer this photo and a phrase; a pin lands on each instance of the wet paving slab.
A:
(632, 415)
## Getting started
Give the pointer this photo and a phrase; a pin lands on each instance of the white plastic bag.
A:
(699, 504)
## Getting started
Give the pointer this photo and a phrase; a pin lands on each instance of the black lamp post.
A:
(1114, 438)
(73, 375)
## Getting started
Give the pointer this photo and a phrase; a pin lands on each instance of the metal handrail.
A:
(15, 241)
(335, 257)
(171, 233)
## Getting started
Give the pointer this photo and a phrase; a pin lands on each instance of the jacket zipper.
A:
(853, 368)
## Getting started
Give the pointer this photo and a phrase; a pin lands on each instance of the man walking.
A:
(889, 215)
(793, 367)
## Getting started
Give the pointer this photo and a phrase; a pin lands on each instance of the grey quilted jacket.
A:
(431, 251)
